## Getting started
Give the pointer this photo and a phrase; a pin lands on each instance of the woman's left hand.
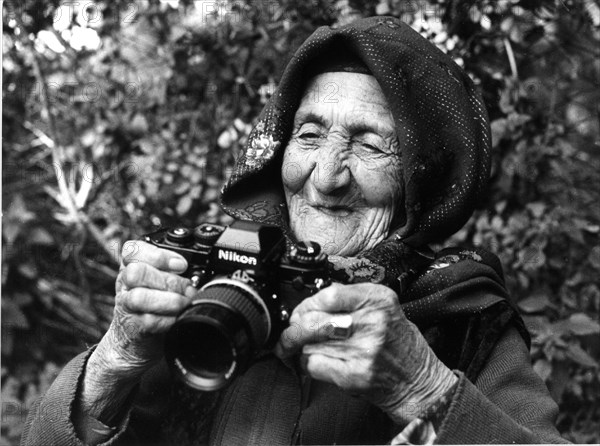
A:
(385, 359)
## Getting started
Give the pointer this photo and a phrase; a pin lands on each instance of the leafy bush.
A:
(132, 119)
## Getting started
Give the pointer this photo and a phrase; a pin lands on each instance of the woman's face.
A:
(341, 169)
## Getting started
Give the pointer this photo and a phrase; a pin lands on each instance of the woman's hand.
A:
(385, 359)
(149, 296)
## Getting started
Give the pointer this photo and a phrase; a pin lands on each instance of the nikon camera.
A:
(248, 284)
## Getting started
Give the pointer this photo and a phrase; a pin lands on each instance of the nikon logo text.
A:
(235, 257)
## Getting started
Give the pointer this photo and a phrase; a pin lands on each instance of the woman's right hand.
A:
(149, 296)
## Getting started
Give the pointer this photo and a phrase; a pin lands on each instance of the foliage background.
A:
(122, 116)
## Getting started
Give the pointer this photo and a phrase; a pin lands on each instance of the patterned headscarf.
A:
(441, 124)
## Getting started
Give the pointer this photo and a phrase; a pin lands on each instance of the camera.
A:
(248, 284)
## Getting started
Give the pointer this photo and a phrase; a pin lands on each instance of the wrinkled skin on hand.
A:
(149, 296)
(386, 359)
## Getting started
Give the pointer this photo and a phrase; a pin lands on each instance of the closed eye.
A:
(309, 135)
(370, 142)
(371, 147)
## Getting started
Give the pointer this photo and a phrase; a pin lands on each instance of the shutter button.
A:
(179, 236)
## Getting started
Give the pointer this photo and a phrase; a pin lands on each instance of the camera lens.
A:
(214, 339)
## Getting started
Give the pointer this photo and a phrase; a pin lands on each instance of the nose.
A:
(331, 174)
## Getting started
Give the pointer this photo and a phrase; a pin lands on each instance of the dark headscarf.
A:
(444, 136)
(441, 124)
(456, 297)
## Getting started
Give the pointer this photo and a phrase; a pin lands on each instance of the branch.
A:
(52, 141)
(44, 139)
(68, 199)
(511, 58)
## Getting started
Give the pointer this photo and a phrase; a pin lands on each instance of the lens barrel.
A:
(215, 338)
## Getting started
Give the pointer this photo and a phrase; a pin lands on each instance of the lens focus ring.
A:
(215, 337)
(247, 302)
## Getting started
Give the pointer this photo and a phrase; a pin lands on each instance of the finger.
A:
(155, 324)
(310, 327)
(334, 298)
(135, 251)
(341, 350)
(146, 276)
(338, 298)
(326, 368)
(145, 300)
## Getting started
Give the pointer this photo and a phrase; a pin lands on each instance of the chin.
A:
(332, 242)
(336, 234)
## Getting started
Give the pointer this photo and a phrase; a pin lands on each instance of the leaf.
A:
(537, 209)
(581, 324)
(538, 325)
(558, 380)
(177, 31)
(586, 226)
(543, 368)
(523, 280)
(182, 188)
(532, 257)
(227, 138)
(139, 124)
(497, 224)
(500, 206)
(147, 146)
(7, 341)
(516, 120)
(498, 127)
(40, 236)
(594, 257)
(12, 316)
(580, 356)
(88, 138)
(574, 232)
(535, 304)
(16, 217)
(28, 270)
(22, 299)
(184, 205)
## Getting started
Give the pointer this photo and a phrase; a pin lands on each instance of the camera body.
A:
(248, 285)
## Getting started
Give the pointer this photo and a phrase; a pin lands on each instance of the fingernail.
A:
(177, 264)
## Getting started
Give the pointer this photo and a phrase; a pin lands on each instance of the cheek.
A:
(295, 169)
(380, 187)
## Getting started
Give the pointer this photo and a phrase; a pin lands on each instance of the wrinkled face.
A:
(341, 169)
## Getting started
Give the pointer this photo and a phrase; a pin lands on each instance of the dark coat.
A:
(508, 403)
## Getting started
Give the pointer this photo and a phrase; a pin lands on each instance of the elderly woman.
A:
(375, 145)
